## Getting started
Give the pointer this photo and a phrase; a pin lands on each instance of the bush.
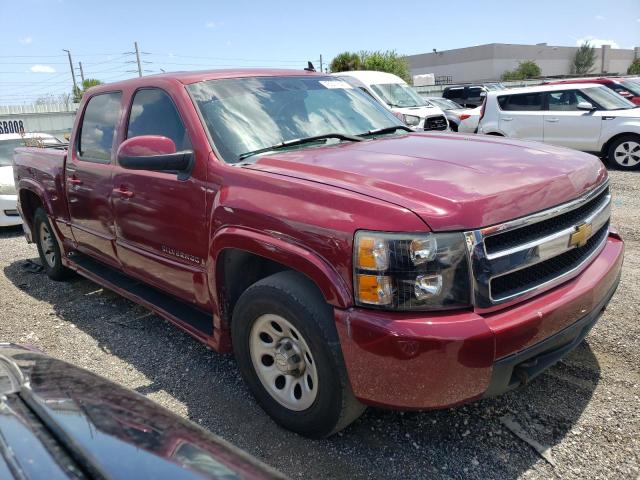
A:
(346, 61)
(634, 68)
(526, 69)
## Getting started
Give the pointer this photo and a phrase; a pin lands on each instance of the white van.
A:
(399, 97)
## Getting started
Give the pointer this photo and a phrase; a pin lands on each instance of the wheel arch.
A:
(243, 257)
(30, 198)
(607, 144)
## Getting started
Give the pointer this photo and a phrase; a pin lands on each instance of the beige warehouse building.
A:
(489, 62)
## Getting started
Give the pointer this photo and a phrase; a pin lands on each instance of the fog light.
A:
(374, 289)
(423, 250)
(427, 286)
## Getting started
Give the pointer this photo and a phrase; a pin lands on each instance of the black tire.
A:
(453, 126)
(54, 268)
(295, 298)
(625, 162)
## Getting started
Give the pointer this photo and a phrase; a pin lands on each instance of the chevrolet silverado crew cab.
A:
(346, 260)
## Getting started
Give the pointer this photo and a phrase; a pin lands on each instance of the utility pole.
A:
(73, 76)
(81, 73)
(138, 59)
(321, 70)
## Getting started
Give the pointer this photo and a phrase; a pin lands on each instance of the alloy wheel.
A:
(627, 153)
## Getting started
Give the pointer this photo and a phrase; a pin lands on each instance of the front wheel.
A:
(288, 352)
(624, 152)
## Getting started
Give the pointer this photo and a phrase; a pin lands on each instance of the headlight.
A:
(411, 120)
(406, 271)
(7, 189)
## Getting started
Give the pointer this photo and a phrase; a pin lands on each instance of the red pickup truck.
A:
(345, 260)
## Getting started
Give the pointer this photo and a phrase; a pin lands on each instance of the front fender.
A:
(333, 287)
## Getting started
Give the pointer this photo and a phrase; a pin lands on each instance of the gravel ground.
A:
(584, 408)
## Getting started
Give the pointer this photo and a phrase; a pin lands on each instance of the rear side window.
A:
(521, 102)
(99, 127)
(454, 93)
(154, 113)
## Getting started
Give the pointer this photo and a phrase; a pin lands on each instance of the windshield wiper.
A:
(382, 131)
(300, 141)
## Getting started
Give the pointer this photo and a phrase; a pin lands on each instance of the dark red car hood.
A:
(451, 181)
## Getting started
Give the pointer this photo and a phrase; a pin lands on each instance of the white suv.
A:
(586, 117)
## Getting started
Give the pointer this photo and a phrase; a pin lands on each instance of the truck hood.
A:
(452, 181)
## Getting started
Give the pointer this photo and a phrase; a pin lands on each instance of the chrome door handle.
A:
(552, 120)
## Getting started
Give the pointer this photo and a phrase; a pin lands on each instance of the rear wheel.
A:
(624, 152)
(48, 248)
(288, 352)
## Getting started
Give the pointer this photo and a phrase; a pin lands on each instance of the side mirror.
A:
(154, 152)
(585, 106)
(483, 94)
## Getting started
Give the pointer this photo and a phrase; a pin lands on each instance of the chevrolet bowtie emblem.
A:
(581, 235)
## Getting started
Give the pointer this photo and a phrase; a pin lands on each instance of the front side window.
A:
(98, 127)
(398, 95)
(475, 92)
(247, 114)
(521, 102)
(154, 113)
(566, 100)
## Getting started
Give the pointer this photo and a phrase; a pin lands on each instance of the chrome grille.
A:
(435, 123)
(523, 257)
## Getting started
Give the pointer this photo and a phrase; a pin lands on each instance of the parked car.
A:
(60, 421)
(456, 114)
(346, 259)
(399, 97)
(587, 117)
(9, 215)
(626, 87)
(470, 96)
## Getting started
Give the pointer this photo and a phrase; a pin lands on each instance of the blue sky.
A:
(206, 34)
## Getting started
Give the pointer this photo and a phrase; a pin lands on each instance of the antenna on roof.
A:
(310, 67)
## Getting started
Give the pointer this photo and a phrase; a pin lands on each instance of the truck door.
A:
(161, 227)
(88, 177)
(566, 126)
(521, 115)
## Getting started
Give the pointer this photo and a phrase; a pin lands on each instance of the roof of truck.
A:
(190, 77)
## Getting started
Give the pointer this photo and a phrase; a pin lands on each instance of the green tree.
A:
(387, 61)
(86, 85)
(584, 59)
(526, 69)
(383, 61)
(634, 68)
(345, 62)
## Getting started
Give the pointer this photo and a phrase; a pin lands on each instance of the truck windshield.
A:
(248, 114)
(6, 150)
(608, 99)
(398, 95)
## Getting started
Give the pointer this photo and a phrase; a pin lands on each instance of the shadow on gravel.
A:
(466, 442)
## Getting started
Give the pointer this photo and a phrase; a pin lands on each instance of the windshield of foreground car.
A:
(608, 99)
(398, 95)
(248, 114)
(6, 150)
